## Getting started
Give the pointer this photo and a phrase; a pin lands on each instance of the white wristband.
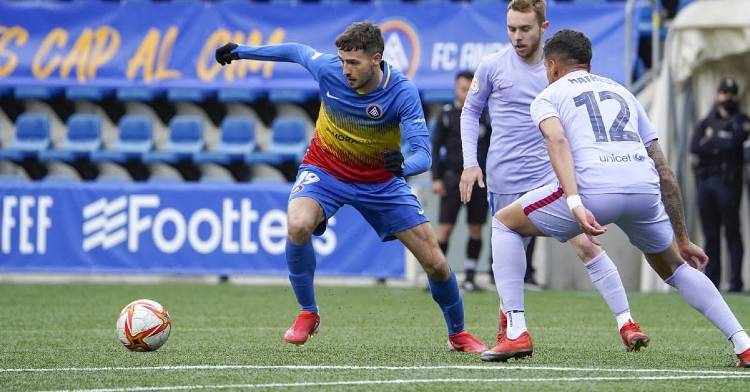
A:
(574, 201)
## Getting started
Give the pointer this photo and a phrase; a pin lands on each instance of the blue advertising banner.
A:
(132, 228)
(171, 44)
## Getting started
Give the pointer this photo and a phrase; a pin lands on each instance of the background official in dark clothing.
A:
(446, 173)
(717, 143)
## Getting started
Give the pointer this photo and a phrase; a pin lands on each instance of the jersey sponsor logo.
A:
(402, 47)
(305, 178)
(374, 111)
(329, 95)
(621, 158)
(345, 138)
(316, 55)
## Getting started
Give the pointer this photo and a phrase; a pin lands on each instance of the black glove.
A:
(393, 161)
(224, 54)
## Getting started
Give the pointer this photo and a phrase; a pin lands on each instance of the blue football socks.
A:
(447, 295)
(301, 262)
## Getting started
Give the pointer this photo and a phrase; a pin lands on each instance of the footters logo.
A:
(229, 228)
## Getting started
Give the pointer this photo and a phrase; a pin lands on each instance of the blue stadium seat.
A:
(32, 137)
(87, 93)
(240, 95)
(83, 138)
(237, 141)
(185, 140)
(296, 95)
(287, 142)
(134, 140)
(184, 94)
(138, 93)
(35, 92)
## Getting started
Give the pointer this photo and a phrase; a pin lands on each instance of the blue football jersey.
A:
(353, 129)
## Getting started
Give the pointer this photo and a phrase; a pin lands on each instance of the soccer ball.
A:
(143, 325)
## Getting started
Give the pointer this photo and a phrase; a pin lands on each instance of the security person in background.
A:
(717, 143)
(446, 173)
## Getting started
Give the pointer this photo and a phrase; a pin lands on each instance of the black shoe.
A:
(532, 284)
(470, 286)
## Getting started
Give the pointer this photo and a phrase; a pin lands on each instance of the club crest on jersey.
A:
(374, 111)
(474, 88)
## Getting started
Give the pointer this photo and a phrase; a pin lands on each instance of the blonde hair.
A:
(538, 7)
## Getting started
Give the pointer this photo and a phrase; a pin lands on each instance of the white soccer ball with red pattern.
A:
(143, 325)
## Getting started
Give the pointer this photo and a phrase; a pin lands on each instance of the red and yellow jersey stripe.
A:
(351, 148)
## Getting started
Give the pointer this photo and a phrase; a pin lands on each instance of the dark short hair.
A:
(569, 45)
(465, 74)
(364, 36)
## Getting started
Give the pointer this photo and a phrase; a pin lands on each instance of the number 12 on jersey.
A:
(617, 132)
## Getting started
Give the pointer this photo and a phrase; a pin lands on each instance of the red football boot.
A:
(632, 337)
(502, 322)
(743, 360)
(304, 326)
(466, 342)
(507, 348)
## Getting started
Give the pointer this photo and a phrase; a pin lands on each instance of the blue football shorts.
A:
(389, 207)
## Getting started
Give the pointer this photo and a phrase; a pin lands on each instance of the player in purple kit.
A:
(517, 162)
(610, 169)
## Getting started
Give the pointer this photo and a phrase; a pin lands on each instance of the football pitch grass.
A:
(229, 337)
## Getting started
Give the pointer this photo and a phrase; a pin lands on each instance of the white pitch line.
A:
(349, 367)
(406, 381)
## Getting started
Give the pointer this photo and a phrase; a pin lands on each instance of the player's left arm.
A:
(545, 114)
(414, 129)
(670, 192)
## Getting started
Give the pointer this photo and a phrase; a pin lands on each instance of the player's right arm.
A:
(301, 54)
(476, 100)
(545, 113)
(562, 162)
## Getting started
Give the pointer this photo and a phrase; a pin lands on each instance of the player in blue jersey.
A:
(354, 158)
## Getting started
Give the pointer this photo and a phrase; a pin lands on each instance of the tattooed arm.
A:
(672, 199)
